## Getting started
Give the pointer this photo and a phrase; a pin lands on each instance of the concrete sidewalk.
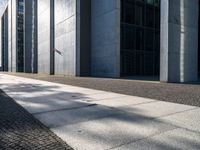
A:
(92, 119)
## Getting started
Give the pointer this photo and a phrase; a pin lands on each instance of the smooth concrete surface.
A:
(177, 139)
(189, 120)
(150, 109)
(12, 35)
(179, 41)
(121, 101)
(92, 119)
(105, 38)
(44, 37)
(65, 37)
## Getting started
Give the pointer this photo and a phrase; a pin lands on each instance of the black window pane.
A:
(128, 15)
(20, 36)
(128, 41)
(140, 37)
(139, 14)
(149, 40)
(157, 18)
(150, 17)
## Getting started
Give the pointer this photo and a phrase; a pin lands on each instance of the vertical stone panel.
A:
(14, 35)
(44, 26)
(9, 35)
(12, 40)
(105, 38)
(65, 37)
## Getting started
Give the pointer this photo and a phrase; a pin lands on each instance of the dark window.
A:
(140, 37)
(150, 16)
(20, 36)
(129, 37)
(128, 15)
(199, 46)
(3, 42)
(139, 13)
(149, 40)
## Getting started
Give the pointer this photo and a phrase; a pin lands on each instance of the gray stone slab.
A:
(189, 120)
(110, 132)
(121, 101)
(178, 139)
(44, 105)
(65, 37)
(67, 117)
(44, 35)
(104, 96)
(156, 109)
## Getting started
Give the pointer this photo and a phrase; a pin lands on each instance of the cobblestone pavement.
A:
(188, 94)
(20, 130)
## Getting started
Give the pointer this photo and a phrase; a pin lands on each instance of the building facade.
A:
(104, 38)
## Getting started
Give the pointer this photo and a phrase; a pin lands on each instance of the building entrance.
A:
(140, 37)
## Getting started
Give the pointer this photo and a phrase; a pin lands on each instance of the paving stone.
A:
(189, 119)
(91, 126)
(104, 95)
(179, 139)
(120, 101)
(67, 117)
(48, 104)
(156, 109)
(110, 131)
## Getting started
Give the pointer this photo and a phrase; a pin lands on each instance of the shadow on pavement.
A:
(79, 121)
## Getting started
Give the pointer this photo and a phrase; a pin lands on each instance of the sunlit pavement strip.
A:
(91, 119)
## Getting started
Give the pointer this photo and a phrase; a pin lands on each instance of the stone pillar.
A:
(44, 38)
(179, 40)
(12, 35)
(65, 37)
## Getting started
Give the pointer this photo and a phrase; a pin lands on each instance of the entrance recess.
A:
(140, 37)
